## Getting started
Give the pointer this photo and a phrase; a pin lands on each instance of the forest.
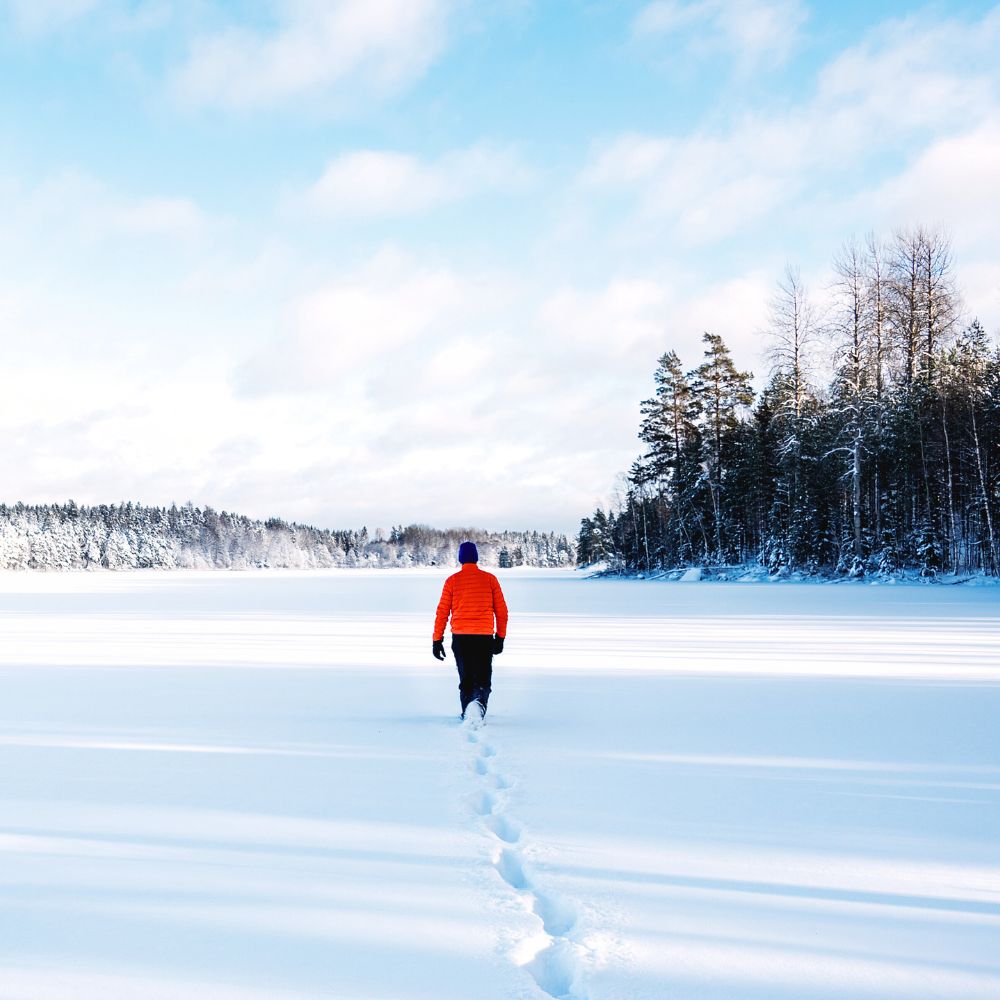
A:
(872, 448)
(132, 536)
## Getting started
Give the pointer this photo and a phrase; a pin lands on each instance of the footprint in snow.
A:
(485, 803)
(557, 971)
(511, 870)
(507, 831)
(558, 916)
(556, 968)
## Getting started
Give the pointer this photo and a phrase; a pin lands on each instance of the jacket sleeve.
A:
(499, 608)
(443, 610)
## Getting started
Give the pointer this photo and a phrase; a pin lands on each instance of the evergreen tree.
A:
(130, 536)
(668, 423)
(721, 392)
(894, 465)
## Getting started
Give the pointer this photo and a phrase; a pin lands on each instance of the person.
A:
(472, 598)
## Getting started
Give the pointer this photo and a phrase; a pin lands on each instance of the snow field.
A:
(249, 786)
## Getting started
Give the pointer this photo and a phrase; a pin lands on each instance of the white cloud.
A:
(461, 360)
(374, 183)
(979, 285)
(84, 208)
(909, 76)
(631, 321)
(119, 17)
(629, 158)
(706, 187)
(735, 308)
(905, 84)
(626, 317)
(447, 386)
(403, 389)
(749, 30)
(162, 216)
(35, 16)
(596, 350)
(318, 45)
(953, 184)
(357, 328)
(954, 180)
(258, 371)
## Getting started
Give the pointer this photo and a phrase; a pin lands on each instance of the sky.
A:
(373, 262)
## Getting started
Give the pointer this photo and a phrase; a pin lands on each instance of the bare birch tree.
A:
(851, 331)
(793, 336)
(906, 264)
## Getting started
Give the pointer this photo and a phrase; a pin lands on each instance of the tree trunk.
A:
(856, 496)
(953, 540)
(983, 490)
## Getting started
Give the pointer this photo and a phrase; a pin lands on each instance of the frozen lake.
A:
(255, 787)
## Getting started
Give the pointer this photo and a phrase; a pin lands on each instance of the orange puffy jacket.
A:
(473, 598)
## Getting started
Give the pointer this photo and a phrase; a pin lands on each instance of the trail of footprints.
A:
(556, 968)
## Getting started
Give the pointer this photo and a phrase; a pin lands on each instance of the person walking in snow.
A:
(472, 598)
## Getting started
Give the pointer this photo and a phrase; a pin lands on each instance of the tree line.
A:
(873, 447)
(133, 536)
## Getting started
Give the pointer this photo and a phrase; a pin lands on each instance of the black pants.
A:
(474, 657)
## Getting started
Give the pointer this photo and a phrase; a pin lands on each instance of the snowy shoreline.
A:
(283, 570)
(689, 574)
(758, 574)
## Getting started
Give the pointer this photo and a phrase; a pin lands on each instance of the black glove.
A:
(439, 649)
(497, 645)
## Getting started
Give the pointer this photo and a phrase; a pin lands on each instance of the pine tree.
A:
(669, 417)
(721, 392)
(894, 465)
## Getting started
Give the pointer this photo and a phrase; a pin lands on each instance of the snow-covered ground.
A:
(254, 787)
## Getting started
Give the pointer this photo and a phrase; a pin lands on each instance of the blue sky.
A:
(373, 261)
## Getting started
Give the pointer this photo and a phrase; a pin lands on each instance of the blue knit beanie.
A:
(467, 552)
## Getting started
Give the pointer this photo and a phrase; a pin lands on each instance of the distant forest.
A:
(893, 464)
(131, 536)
